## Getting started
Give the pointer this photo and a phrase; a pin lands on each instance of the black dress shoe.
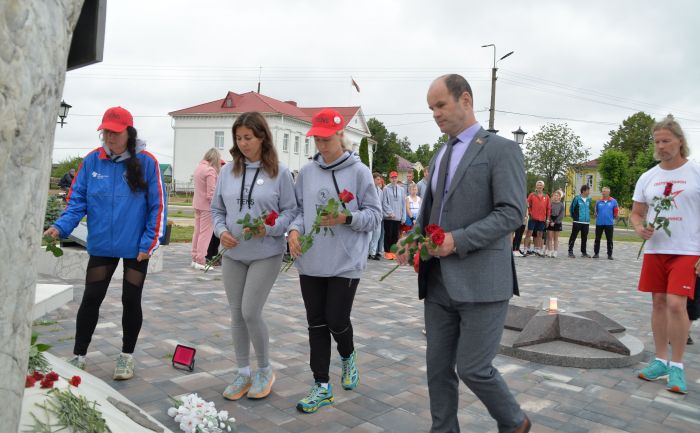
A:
(610, 258)
(595, 256)
(377, 257)
(690, 341)
(585, 256)
(524, 427)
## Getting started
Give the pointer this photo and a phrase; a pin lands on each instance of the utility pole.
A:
(492, 109)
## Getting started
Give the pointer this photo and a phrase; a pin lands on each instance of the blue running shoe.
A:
(351, 376)
(317, 398)
(676, 381)
(655, 370)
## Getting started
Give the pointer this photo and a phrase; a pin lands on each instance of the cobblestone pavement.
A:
(185, 306)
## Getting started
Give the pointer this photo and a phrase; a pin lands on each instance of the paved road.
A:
(182, 305)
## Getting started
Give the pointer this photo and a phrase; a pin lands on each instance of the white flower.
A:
(172, 412)
(223, 415)
(228, 428)
(232, 419)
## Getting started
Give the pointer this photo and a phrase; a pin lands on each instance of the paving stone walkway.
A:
(185, 306)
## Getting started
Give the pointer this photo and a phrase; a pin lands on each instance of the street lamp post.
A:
(492, 109)
(519, 135)
(63, 113)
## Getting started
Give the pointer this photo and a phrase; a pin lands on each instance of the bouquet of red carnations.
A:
(417, 245)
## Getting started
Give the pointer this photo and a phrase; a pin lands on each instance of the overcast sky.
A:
(591, 64)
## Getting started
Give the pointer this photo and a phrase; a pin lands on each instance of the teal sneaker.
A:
(78, 362)
(262, 384)
(317, 398)
(240, 386)
(655, 370)
(351, 376)
(676, 381)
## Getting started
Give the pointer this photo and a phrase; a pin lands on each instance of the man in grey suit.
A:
(475, 193)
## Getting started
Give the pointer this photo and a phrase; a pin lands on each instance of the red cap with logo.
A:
(326, 123)
(116, 119)
(393, 174)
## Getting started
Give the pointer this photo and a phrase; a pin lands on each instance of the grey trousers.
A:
(465, 335)
(247, 288)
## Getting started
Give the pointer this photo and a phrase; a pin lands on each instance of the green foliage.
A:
(633, 136)
(62, 167)
(364, 152)
(73, 414)
(54, 208)
(37, 360)
(551, 151)
(643, 162)
(614, 168)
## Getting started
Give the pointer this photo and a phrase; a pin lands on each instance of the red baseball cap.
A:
(326, 123)
(393, 174)
(116, 119)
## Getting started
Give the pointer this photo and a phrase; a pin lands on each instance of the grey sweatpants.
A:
(247, 288)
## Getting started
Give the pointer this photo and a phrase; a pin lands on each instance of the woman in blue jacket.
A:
(118, 186)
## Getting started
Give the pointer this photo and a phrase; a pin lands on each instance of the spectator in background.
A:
(375, 244)
(67, 179)
(394, 212)
(213, 249)
(423, 183)
(581, 217)
(606, 210)
(538, 207)
(556, 216)
(409, 181)
(204, 177)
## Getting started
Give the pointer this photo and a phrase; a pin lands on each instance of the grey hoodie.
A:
(269, 194)
(394, 203)
(345, 253)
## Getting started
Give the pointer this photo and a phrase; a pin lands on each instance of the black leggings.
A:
(328, 302)
(518, 237)
(391, 234)
(99, 274)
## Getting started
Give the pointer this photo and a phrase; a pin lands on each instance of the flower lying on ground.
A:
(196, 415)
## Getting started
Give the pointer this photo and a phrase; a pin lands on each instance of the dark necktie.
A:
(442, 180)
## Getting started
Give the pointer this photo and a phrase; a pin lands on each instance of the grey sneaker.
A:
(77, 362)
(262, 384)
(241, 384)
(124, 369)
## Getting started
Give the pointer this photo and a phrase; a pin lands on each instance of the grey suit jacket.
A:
(483, 206)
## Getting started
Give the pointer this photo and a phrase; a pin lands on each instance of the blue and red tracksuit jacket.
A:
(121, 223)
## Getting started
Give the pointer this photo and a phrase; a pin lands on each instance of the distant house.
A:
(405, 166)
(209, 124)
(586, 173)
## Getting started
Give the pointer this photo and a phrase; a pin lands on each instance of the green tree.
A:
(614, 168)
(643, 162)
(364, 152)
(62, 167)
(551, 151)
(633, 136)
(387, 147)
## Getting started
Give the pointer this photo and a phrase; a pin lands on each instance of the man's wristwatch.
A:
(348, 220)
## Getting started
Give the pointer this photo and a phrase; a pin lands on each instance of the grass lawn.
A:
(181, 233)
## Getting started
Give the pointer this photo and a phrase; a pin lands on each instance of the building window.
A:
(285, 143)
(219, 140)
(296, 144)
(306, 146)
(589, 181)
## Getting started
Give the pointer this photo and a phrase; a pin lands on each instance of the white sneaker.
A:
(198, 267)
(554, 254)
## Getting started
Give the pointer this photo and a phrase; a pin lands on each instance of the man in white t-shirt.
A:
(671, 262)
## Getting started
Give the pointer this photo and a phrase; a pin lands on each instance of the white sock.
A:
(662, 360)
(244, 371)
(81, 358)
(676, 364)
(324, 385)
(127, 355)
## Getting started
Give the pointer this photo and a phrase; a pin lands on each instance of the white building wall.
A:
(194, 135)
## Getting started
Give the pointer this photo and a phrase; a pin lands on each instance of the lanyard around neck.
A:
(250, 191)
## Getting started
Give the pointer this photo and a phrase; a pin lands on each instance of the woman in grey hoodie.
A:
(330, 270)
(254, 183)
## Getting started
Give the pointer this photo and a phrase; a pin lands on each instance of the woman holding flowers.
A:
(330, 270)
(666, 214)
(254, 185)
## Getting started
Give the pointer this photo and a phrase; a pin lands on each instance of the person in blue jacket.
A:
(119, 187)
(581, 217)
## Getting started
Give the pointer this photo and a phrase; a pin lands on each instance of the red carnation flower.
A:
(669, 187)
(346, 196)
(29, 381)
(416, 261)
(430, 228)
(37, 376)
(438, 237)
(75, 380)
(52, 376)
(271, 218)
(46, 383)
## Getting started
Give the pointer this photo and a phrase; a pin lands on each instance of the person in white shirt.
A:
(671, 261)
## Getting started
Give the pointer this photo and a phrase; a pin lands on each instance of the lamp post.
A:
(492, 109)
(63, 112)
(519, 135)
